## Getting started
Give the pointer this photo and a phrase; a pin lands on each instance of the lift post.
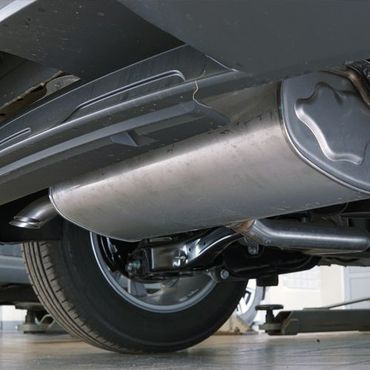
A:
(313, 320)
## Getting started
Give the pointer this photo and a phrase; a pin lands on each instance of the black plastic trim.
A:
(150, 104)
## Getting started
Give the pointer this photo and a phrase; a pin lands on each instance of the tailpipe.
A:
(35, 215)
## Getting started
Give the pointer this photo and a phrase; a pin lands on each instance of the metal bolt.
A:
(133, 265)
(253, 249)
(179, 260)
(224, 274)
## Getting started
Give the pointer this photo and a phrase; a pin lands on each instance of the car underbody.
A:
(185, 148)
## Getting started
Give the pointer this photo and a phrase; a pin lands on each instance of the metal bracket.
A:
(188, 254)
(181, 256)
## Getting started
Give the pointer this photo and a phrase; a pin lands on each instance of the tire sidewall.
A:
(126, 324)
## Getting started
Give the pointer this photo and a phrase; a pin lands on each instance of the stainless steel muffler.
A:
(261, 165)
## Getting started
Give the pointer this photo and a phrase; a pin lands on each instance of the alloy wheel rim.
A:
(172, 295)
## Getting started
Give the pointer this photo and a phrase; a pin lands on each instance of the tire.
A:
(73, 289)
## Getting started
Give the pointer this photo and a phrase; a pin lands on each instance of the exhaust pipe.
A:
(35, 215)
(321, 239)
(279, 155)
(269, 233)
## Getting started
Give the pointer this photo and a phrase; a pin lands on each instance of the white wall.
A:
(317, 287)
(9, 317)
(357, 285)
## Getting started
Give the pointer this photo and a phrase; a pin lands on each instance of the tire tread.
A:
(41, 271)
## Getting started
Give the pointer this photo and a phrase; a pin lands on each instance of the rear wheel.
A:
(76, 283)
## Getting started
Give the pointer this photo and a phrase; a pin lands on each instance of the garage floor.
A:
(319, 351)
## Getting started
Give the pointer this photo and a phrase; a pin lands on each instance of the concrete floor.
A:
(319, 351)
